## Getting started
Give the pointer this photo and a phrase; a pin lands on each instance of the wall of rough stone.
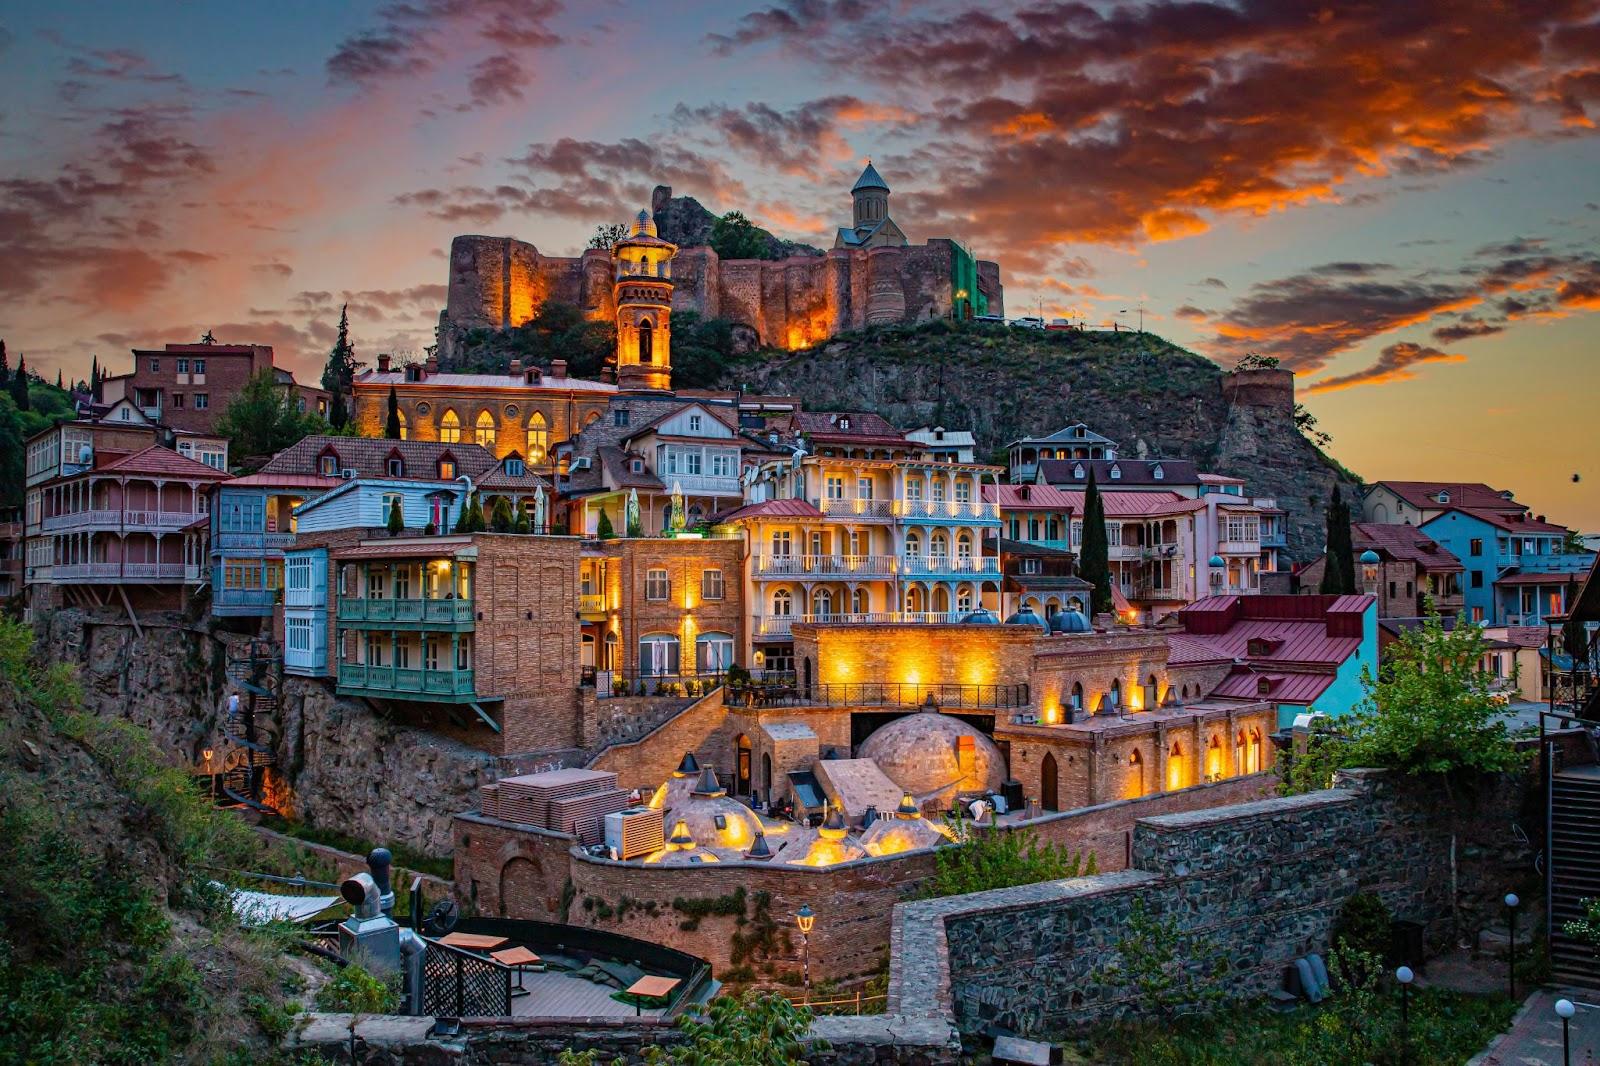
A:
(647, 762)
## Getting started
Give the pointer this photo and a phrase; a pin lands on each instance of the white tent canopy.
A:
(258, 908)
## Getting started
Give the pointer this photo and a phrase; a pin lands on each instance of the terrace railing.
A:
(907, 694)
(461, 984)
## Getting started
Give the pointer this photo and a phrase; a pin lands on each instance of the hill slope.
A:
(1155, 399)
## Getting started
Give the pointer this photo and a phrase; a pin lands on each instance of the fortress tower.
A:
(871, 226)
(643, 295)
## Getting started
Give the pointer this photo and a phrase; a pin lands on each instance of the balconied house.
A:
(643, 448)
(1037, 514)
(129, 529)
(1412, 569)
(1076, 441)
(1517, 570)
(1416, 502)
(861, 525)
(1040, 579)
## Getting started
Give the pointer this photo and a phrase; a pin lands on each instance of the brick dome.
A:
(923, 754)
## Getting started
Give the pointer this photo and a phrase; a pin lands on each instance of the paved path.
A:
(1535, 1036)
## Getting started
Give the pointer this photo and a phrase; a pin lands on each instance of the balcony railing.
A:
(923, 565)
(258, 541)
(895, 694)
(357, 609)
(1239, 547)
(716, 486)
(384, 680)
(855, 507)
(64, 572)
(824, 565)
(782, 625)
(591, 603)
(121, 519)
(970, 510)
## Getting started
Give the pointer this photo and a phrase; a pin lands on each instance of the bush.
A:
(1364, 925)
(352, 990)
(1000, 859)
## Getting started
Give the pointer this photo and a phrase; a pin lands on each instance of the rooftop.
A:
(1131, 471)
(1403, 542)
(1425, 494)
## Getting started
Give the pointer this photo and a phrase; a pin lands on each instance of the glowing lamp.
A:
(1404, 975)
(680, 838)
(908, 808)
(206, 755)
(1565, 1009)
(805, 918)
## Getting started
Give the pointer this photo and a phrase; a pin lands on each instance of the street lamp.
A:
(1405, 977)
(1369, 571)
(1565, 1010)
(1511, 923)
(805, 918)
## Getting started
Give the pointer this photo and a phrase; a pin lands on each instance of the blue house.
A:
(1516, 571)
(252, 523)
(305, 612)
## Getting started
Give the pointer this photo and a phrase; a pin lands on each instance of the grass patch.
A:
(405, 858)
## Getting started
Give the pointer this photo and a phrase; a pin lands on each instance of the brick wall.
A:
(915, 654)
(686, 613)
(564, 411)
(645, 763)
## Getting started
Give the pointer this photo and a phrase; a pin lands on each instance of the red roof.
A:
(1403, 542)
(1040, 497)
(1567, 577)
(1138, 504)
(1245, 684)
(1513, 523)
(157, 461)
(790, 508)
(1527, 636)
(1424, 494)
(288, 481)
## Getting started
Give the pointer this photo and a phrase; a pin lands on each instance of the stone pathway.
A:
(1535, 1035)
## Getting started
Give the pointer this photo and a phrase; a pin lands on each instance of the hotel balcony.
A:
(393, 682)
(937, 566)
(592, 605)
(704, 484)
(950, 510)
(257, 541)
(856, 507)
(62, 573)
(774, 566)
(782, 625)
(389, 612)
(123, 520)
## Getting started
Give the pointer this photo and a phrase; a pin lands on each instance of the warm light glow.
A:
(735, 833)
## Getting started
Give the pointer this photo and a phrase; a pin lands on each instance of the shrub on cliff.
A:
(988, 859)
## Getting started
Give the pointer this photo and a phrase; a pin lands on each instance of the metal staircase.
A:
(250, 725)
(1574, 870)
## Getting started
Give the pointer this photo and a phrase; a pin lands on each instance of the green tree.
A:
(1339, 569)
(501, 520)
(11, 454)
(1256, 361)
(264, 419)
(340, 371)
(471, 519)
(1094, 553)
(524, 522)
(604, 530)
(986, 859)
(5, 365)
(735, 237)
(397, 518)
(606, 236)
(391, 425)
(94, 379)
(755, 1029)
(19, 385)
(1171, 976)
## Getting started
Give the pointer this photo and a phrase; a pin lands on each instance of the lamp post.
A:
(1564, 1011)
(1405, 977)
(805, 918)
(1511, 924)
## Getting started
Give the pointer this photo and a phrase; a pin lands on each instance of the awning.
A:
(259, 908)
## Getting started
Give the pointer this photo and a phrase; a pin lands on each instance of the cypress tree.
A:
(340, 371)
(604, 530)
(59, 384)
(5, 365)
(397, 520)
(464, 517)
(94, 380)
(19, 385)
(475, 519)
(524, 523)
(391, 426)
(1094, 553)
(1339, 566)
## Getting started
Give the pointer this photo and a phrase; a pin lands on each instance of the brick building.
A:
(1411, 566)
(188, 386)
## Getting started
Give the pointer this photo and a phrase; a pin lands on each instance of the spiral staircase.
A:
(251, 726)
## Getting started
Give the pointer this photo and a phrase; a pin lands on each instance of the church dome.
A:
(922, 754)
(870, 179)
(982, 617)
(1070, 622)
(1026, 617)
(644, 225)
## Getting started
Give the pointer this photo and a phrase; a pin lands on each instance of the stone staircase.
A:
(1574, 870)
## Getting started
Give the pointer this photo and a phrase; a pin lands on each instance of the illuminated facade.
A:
(643, 298)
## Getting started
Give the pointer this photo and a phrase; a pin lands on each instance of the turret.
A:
(871, 196)
(642, 268)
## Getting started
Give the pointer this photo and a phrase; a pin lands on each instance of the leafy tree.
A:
(501, 519)
(1430, 709)
(1339, 569)
(19, 385)
(992, 859)
(5, 365)
(604, 529)
(397, 519)
(606, 236)
(558, 331)
(702, 349)
(1170, 977)
(264, 419)
(735, 237)
(391, 425)
(1306, 423)
(11, 454)
(1094, 555)
(1257, 361)
(340, 370)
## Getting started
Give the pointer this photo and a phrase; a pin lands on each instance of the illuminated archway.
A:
(484, 431)
(538, 438)
(450, 427)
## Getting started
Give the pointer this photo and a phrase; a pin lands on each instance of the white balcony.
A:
(950, 510)
(704, 484)
(782, 625)
(855, 507)
(146, 521)
(944, 566)
(805, 566)
(1239, 547)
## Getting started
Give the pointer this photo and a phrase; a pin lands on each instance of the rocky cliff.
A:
(1155, 399)
(686, 222)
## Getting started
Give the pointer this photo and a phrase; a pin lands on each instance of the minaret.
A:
(643, 291)
(871, 196)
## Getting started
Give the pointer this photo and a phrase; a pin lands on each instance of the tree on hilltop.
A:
(19, 385)
(264, 419)
(5, 365)
(1339, 567)
(735, 237)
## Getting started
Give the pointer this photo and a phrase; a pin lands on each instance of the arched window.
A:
(915, 599)
(1151, 688)
(1048, 794)
(485, 430)
(913, 544)
(964, 598)
(964, 546)
(1077, 696)
(1177, 769)
(1241, 753)
(782, 603)
(1215, 771)
(450, 427)
(538, 438)
(1114, 695)
(1075, 604)
(1135, 775)
(941, 600)
(658, 654)
(405, 426)
(646, 341)
(742, 776)
(938, 547)
(1254, 762)
(713, 653)
(591, 418)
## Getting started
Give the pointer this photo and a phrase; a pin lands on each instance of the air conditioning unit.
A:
(348, 473)
(634, 832)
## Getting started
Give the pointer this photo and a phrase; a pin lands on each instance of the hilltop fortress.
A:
(873, 275)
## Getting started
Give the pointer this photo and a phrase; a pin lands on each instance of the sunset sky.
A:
(1401, 200)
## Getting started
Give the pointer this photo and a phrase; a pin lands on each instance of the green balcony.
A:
(406, 613)
(399, 683)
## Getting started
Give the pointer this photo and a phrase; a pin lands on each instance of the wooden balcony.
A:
(392, 682)
(113, 573)
(807, 566)
(123, 520)
(447, 614)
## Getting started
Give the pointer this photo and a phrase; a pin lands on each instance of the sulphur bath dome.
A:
(936, 757)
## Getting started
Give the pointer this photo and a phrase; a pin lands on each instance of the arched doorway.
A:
(1215, 771)
(742, 777)
(1048, 795)
(805, 676)
(1177, 769)
(766, 776)
(1255, 752)
(521, 890)
(646, 341)
(1135, 774)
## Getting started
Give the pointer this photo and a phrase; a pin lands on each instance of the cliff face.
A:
(684, 221)
(1155, 399)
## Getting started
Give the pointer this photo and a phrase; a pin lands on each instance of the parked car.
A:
(1059, 323)
(1028, 322)
(989, 320)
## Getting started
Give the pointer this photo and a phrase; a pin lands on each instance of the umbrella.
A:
(538, 509)
(631, 514)
(675, 521)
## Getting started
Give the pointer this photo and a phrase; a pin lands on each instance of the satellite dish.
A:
(442, 917)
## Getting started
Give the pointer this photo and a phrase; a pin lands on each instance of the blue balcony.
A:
(396, 683)
(406, 613)
(243, 602)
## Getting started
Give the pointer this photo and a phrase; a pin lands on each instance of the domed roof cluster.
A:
(1026, 617)
(982, 617)
(1070, 622)
(920, 753)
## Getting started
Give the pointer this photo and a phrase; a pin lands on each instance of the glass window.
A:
(619, 416)
(711, 584)
(397, 467)
(183, 366)
(450, 428)
(782, 543)
(782, 603)
(1475, 546)
(835, 487)
(514, 468)
(658, 655)
(1477, 579)
(722, 464)
(694, 423)
(657, 585)
(447, 469)
(864, 487)
(538, 438)
(202, 401)
(713, 653)
(177, 401)
(330, 465)
(199, 366)
(155, 366)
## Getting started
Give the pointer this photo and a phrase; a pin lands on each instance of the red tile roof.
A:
(287, 481)
(1403, 542)
(1138, 504)
(1244, 684)
(1527, 636)
(156, 461)
(1040, 497)
(864, 427)
(1513, 523)
(1423, 494)
(790, 508)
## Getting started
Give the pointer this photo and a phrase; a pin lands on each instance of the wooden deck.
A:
(559, 995)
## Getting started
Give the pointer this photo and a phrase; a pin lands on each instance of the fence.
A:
(899, 694)
(459, 984)
(617, 684)
(857, 1003)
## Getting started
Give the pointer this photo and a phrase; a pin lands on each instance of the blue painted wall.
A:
(360, 504)
(1347, 694)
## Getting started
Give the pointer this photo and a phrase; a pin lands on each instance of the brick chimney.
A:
(432, 365)
(383, 362)
(516, 368)
(558, 368)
